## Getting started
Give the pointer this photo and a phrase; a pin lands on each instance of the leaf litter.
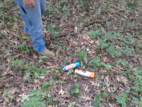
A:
(73, 38)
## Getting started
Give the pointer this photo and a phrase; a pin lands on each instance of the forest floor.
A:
(103, 35)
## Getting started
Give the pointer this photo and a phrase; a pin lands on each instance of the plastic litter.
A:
(85, 73)
(71, 66)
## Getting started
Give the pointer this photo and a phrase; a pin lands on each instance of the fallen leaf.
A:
(23, 95)
(9, 61)
(117, 47)
(110, 105)
(13, 91)
(75, 29)
(18, 99)
(105, 59)
(36, 85)
(92, 83)
(85, 87)
(15, 27)
(16, 56)
(109, 90)
(35, 56)
(122, 79)
(86, 97)
(85, 36)
(97, 42)
(48, 63)
(61, 92)
(91, 41)
(36, 81)
(42, 77)
(102, 77)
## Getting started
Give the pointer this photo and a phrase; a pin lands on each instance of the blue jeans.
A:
(33, 22)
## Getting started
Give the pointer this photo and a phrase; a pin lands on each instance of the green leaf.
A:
(93, 34)
(72, 104)
(27, 75)
(95, 103)
(76, 89)
(135, 99)
(132, 5)
(121, 101)
(25, 98)
(69, 72)
(64, 8)
(6, 99)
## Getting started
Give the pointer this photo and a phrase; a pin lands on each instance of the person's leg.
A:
(43, 7)
(23, 14)
(33, 22)
(35, 30)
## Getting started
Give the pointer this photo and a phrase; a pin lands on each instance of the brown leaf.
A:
(102, 77)
(23, 95)
(42, 77)
(64, 76)
(18, 99)
(97, 42)
(109, 90)
(2, 84)
(105, 59)
(75, 29)
(9, 61)
(61, 92)
(16, 56)
(85, 87)
(58, 75)
(122, 79)
(36, 85)
(86, 97)
(13, 91)
(92, 83)
(61, 77)
(35, 56)
(48, 63)
(15, 27)
(91, 41)
(117, 47)
(85, 36)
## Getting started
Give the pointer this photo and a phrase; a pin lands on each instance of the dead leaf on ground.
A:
(85, 87)
(117, 47)
(105, 59)
(86, 97)
(42, 77)
(48, 63)
(35, 56)
(61, 92)
(13, 91)
(97, 42)
(109, 90)
(93, 83)
(85, 36)
(9, 61)
(23, 95)
(75, 29)
(122, 79)
(16, 56)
